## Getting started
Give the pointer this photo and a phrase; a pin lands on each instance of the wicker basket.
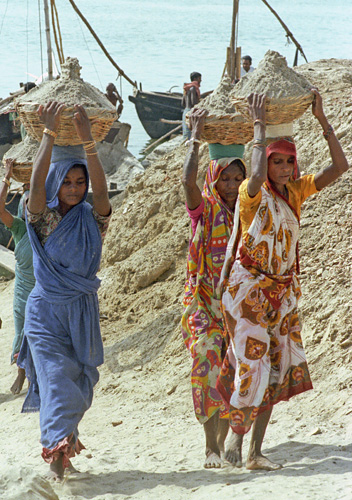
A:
(71, 90)
(281, 110)
(227, 129)
(101, 122)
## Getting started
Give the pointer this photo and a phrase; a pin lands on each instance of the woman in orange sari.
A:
(265, 362)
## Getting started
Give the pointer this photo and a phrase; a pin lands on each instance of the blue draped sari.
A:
(62, 346)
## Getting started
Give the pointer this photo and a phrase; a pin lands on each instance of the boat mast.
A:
(233, 56)
(48, 41)
(233, 43)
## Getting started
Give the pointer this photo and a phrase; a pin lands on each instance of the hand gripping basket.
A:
(69, 89)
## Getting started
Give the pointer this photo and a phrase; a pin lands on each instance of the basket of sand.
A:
(69, 89)
(23, 154)
(224, 124)
(288, 93)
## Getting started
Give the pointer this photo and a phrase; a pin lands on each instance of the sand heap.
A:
(23, 152)
(273, 78)
(218, 102)
(288, 93)
(69, 89)
(144, 257)
(223, 123)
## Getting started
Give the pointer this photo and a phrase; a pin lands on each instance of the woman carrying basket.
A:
(211, 214)
(24, 277)
(62, 317)
(265, 362)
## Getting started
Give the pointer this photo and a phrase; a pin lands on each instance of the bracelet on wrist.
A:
(328, 132)
(192, 139)
(258, 120)
(7, 182)
(259, 142)
(47, 131)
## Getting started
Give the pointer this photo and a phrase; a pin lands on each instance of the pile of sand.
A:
(144, 256)
(23, 152)
(70, 89)
(218, 102)
(274, 78)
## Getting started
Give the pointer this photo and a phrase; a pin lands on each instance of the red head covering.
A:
(284, 146)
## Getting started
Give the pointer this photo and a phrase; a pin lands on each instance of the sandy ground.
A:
(142, 439)
(144, 443)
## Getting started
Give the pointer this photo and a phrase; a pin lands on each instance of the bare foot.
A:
(57, 470)
(233, 452)
(212, 461)
(261, 462)
(18, 383)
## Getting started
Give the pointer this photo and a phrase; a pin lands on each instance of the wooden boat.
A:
(151, 107)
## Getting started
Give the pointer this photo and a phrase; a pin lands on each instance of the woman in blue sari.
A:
(24, 277)
(62, 317)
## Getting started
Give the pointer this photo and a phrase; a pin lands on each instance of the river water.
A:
(159, 42)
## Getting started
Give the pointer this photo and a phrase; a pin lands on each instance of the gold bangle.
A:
(258, 120)
(50, 132)
(6, 181)
(91, 154)
(89, 145)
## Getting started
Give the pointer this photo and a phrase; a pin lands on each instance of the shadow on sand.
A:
(333, 459)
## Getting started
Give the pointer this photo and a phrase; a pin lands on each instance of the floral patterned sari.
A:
(265, 362)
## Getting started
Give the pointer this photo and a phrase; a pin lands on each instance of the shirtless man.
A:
(113, 96)
(191, 97)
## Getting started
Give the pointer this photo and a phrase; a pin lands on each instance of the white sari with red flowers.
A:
(266, 362)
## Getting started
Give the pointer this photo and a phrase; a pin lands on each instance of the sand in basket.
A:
(69, 89)
(288, 93)
(224, 125)
(23, 155)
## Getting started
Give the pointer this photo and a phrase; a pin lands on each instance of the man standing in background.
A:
(191, 97)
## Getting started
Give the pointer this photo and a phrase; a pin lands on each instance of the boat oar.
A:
(163, 137)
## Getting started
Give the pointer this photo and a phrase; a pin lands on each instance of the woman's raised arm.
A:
(339, 162)
(50, 115)
(190, 166)
(259, 163)
(101, 201)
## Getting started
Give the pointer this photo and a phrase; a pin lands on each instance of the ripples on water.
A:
(160, 42)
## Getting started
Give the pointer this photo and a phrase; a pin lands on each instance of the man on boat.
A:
(191, 97)
(246, 65)
(113, 96)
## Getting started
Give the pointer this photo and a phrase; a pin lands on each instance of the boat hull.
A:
(152, 106)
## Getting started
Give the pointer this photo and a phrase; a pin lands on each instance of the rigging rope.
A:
(89, 51)
(58, 41)
(3, 19)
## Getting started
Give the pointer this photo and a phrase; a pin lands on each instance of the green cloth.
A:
(217, 151)
(18, 229)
